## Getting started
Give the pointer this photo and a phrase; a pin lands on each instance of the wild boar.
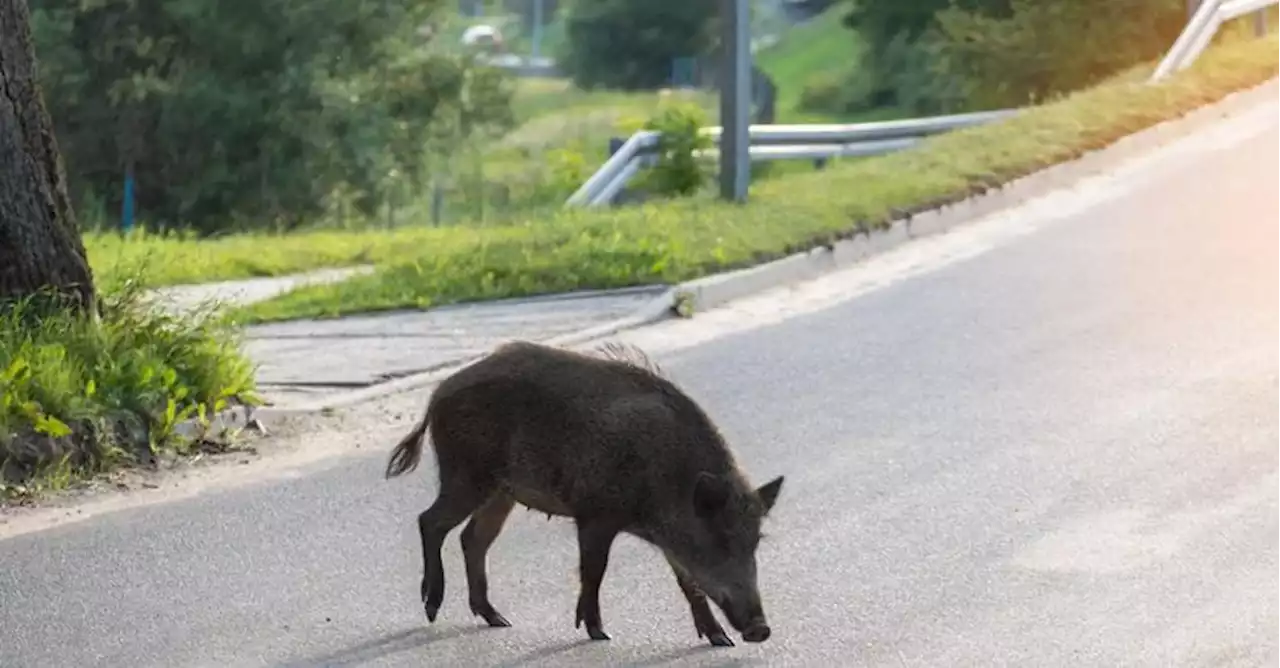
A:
(607, 440)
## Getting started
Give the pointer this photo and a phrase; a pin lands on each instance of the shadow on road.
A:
(671, 657)
(675, 656)
(400, 641)
(545, 653)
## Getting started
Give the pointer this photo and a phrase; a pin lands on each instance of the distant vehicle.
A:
(484, 36)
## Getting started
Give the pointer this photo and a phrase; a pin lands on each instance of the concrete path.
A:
(303, 360)
(248, 291)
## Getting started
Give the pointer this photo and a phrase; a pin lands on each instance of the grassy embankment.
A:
(678, 240)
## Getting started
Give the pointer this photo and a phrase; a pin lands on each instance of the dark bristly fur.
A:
(607, 440)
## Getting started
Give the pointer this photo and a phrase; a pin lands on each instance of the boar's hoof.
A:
(597, 633)
(432, 609)
(491, 617)
(719, 639)
(756, 633)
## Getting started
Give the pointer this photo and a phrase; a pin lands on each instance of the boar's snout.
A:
(747, 616)
(757, 632)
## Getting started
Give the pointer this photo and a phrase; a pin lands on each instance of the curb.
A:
(712, 291)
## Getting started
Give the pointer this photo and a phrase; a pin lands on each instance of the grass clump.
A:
(674, 240)
(82, 395)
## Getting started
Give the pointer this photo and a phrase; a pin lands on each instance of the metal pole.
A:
(1260, 23)
(538, 28)
(1192, 6)
(735, 100)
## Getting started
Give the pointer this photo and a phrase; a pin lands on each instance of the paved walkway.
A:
(303, 360)
(306, 359)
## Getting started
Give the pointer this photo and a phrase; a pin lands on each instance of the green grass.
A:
(79, 396)
(678, 240)
(820, 47)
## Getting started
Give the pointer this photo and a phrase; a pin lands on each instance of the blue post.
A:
(126, 208)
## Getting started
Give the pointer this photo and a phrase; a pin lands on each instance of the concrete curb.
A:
(712, 291)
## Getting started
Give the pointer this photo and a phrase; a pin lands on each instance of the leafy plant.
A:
(678, 171)
(79, 394)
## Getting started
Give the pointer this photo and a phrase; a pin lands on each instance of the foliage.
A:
(677, 171)
(939, 56)
(1036, 51)
(80, 395)
(681, 239)
(235, 114)
(890, 30)
(805, 59)
(629, 45)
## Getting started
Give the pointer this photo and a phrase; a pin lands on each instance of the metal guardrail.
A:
(780, 142)
(819, 142)
(1204, 24)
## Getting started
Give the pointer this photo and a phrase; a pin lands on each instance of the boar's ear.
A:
(768, 493)
(710, 493)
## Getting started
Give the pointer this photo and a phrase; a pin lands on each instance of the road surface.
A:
(1060, 452)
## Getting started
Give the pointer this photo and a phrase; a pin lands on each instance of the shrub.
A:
(1038, 49)
(80, 395)
(677, 171)
(631, 45)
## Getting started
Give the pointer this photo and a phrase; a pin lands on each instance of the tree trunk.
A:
(40, 244)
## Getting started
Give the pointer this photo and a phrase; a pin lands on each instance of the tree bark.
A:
(40, 244)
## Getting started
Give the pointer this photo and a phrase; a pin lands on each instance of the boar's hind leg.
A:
(455, 501)
(477, 536)
(703, 619)
(594, 540)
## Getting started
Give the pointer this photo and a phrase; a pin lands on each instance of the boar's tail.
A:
(405, 456)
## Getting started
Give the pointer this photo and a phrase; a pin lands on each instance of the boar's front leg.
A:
(703, 619)
(595, 537)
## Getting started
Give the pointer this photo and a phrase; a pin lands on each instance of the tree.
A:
(242, 114)
(631, 44)
(40, 244)
(1041, 49)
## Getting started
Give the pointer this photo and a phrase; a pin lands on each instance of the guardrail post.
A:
(615, 143)
(1260, 23)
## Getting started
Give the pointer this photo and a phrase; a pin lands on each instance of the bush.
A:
(1035, 51)
(678, 171)
(629, 45)
(897, 68)
(682, 239)
(81, 395)
(235, 115)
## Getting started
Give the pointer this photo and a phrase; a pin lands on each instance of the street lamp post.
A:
(735, 100)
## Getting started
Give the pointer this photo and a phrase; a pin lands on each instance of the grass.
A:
(80, 396)
(682, 239)
(820, 47)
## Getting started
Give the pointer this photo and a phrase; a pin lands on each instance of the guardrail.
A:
(819, 142)
(780, 142)
(1204, 24)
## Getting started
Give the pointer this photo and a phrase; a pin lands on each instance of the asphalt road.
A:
(1060, 452)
